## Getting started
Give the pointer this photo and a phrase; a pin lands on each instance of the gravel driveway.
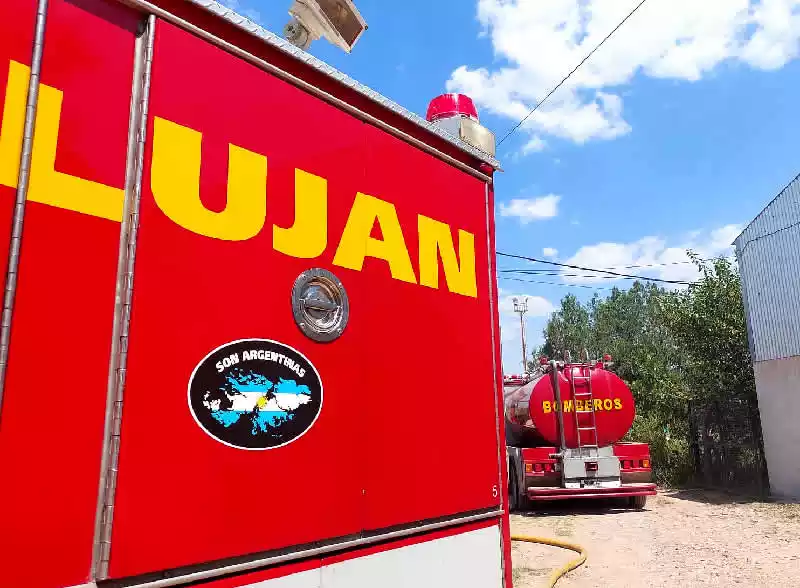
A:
(682, 539)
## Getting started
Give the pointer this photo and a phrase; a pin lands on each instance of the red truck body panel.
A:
(55, 390)
(432, 334)
(193, 293)
(372, 462)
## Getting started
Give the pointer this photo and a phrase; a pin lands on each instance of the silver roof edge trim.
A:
(289, 77)
(248, 26)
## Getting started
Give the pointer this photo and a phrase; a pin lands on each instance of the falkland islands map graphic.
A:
(255, 394)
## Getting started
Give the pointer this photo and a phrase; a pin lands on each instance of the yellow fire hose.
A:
(570, 565)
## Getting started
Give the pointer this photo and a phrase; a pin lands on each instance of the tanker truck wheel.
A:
(638, 502)
(513, 492)
(516, 500)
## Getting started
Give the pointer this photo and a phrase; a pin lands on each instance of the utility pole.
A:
(521, 307)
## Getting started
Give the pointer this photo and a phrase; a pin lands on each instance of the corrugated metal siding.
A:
(768, 251)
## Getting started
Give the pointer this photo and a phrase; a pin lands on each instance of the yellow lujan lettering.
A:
(357, 243)
(308, 236)
(175, 182)
(47, 185)
(13, 123)
(436, 239)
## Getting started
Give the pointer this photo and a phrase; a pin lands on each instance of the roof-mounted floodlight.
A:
(337, 20)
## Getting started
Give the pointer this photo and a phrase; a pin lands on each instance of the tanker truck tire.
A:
(516, 500)
(513, 493)
(638, 502)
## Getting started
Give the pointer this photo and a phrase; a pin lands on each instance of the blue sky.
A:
(675, 134)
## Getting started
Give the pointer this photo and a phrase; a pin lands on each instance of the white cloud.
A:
(535, 145)
(530, 209)
(666, 261)
(538, 42)
(549, 252)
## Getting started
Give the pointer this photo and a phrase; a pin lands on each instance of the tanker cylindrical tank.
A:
(531, 410)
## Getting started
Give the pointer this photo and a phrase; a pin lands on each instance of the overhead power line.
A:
(770, 234)
(594, 270)
(638, 265)
(548, 271)
(561, 83)
(562, 284)
(786, 187)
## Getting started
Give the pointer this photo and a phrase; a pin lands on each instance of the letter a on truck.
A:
(231, 275)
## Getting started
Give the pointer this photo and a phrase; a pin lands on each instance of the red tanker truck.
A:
(230, 272)
(564, 429)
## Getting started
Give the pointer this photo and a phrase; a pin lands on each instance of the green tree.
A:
(708, 324)
(672, 348)
(629, 325)
(567, 330)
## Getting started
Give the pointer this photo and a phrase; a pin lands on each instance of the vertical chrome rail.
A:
(23, 180)
(129, 229)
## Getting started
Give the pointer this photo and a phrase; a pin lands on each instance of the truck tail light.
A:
(646, 463)
(533, 468)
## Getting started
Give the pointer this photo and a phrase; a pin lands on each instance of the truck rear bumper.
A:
(625, 491)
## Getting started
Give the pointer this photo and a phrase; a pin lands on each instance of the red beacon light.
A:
(543, 360)
(456, 114)
(607, 358)
(450, 105)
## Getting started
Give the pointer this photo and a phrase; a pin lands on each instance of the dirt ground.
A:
(682, 539)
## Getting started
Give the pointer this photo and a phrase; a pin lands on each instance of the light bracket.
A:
(339, 21)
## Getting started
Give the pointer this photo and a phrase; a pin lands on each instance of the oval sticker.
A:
(255, 394)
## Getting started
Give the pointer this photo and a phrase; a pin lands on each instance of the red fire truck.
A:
(564, 430)
(230, 274)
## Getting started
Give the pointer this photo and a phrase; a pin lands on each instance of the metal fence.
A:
(727, 447)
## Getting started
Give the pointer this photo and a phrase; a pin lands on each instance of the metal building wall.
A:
(768, 251)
